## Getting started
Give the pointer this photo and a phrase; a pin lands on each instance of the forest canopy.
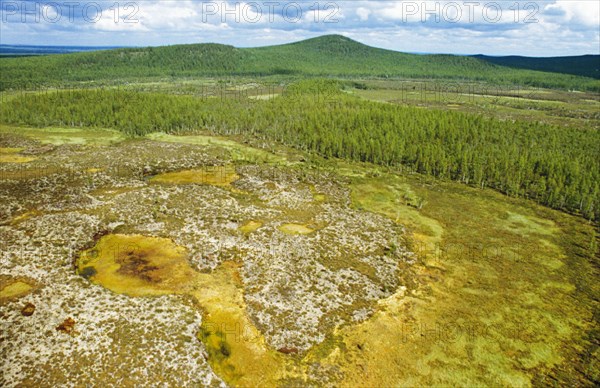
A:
(558, 167)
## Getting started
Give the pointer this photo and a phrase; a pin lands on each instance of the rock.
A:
(286, 350)
(28, 310)
(67, 326)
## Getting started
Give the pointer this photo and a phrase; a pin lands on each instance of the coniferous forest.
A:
(327, 56)
(555, 166)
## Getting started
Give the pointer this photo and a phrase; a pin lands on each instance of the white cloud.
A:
(363, 13)
(162, 15)
(119, 19)
(586, 13)
(563, 27)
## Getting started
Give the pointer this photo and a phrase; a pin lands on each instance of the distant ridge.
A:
(325, 56)
(583, 65)
(29, 50)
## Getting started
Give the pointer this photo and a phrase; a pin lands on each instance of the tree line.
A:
(557, 167)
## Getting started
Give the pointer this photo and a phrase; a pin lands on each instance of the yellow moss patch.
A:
(12, 158)
(144, 266)
(319, 197)
(13, 288)
(250, 226)
(363, 347)
(212, 175)
(137, 265)
(237, 350)
(10, 155)
(295, 229)
(4, 150)
(25, 216)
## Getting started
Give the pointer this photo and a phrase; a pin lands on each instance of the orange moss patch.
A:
(67, 327)
(210, 175)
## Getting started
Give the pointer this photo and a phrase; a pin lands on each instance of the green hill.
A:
(331, 55)
(338, 55)
(583, 65)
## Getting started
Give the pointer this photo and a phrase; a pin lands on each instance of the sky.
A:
(538, 28)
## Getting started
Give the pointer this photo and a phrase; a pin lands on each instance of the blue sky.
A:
(541, 28)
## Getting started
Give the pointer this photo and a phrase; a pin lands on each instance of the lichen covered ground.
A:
(198, 260)
(305, 265)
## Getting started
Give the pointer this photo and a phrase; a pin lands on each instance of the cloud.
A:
(576, 13)
(363, 13)
(544, 28)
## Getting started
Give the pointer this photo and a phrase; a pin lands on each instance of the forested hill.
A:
(331, 55)
(583, 65)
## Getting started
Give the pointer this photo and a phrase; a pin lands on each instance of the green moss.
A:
(505, 285)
